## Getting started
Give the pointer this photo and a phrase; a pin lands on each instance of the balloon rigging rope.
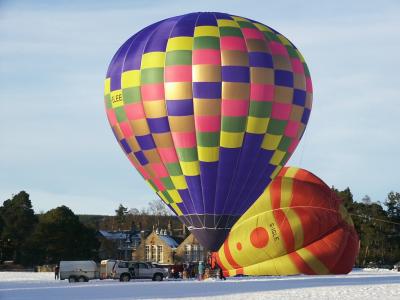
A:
(370, 218)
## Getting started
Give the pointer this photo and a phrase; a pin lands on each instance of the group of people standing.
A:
(202, 271)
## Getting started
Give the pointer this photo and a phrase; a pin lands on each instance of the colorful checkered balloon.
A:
(208, 107)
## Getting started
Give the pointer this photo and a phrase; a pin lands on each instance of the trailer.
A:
(78, 270)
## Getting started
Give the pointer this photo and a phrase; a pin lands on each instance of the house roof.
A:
(169, 240)
(118, 235)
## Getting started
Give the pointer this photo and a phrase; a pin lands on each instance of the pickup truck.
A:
(127, 270)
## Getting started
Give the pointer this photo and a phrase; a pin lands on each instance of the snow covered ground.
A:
(359, 284)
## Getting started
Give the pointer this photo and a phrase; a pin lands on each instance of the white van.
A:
(78, 270)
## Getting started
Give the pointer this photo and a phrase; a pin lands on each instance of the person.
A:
(206, 272)
(185, 273)
(131, 269)
(56, 272)
(220, 272)
(190, 270)
(201, 270)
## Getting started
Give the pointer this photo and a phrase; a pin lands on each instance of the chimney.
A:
(170, 227)
(183, 230)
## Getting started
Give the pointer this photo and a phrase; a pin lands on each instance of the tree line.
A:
(32, 239)
(58, 234)
(378, 227)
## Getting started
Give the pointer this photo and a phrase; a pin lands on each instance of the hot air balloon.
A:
(208, 107)
(297, 226)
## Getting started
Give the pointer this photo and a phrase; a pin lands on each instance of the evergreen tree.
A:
(393, 211)
(120, 216)
(377, 240)
(18, 222)
(60, 236)
(347, 198)
(393, 206)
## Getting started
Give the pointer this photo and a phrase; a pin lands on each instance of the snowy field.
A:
(359, 284)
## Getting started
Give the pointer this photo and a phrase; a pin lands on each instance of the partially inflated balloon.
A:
(208, 107)
(298, 225)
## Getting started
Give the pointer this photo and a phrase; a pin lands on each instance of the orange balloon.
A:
(297, 226)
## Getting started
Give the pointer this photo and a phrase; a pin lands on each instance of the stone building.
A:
(159, 247)
(118, 244)
(162, 248)
(190, 251)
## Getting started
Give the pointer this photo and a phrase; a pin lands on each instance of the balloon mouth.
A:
(210, 230)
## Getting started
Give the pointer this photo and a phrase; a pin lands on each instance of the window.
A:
(195, 253)
(143, 266)
(148, 257)
(201, 252)
(187, 253)
(154, 253)
(160, 254)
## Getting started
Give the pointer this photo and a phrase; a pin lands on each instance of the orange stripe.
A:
(286, 230)
(282, 172)
(302, 175)
(301, 264)
(329, 249)
(228, 255)
(309, 223)
(239, 271)
(220, 264)
(346, 262)
(275, 193)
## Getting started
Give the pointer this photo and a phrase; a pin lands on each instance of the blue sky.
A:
(55, 141)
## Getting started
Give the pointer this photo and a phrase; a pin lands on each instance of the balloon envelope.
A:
(208, 107)
(298, 225)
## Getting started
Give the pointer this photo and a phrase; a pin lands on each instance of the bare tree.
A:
(366, 200)
(157, 208)
(134, 212)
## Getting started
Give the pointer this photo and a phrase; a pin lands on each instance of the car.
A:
(127, 270)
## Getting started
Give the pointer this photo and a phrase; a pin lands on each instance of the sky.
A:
(55, 140)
